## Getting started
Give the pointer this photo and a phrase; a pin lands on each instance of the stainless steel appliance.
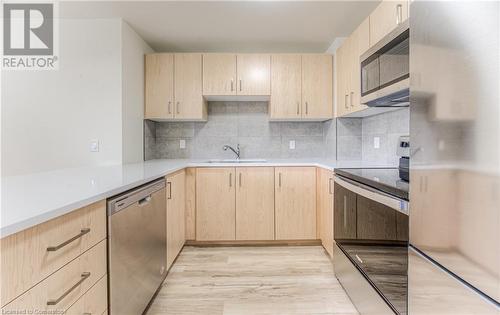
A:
(371, 235)
(137, 247)
(455, 159)
(385, 70)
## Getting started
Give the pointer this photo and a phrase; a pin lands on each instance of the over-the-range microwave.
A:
(385, 70)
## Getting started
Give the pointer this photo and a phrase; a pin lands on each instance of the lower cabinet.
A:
(295, 203)
(255, 203)
(324, 182)
(215, 204)
(176, 204)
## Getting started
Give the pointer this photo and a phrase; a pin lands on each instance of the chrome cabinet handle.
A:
(346, 101)
(74, 238)
(177, 108)
(399, 14)
(352, 96)
(84, 276)
(240, 85)
(298, 108)
(169, 109)
(230, 179)
(345, 211)
(169, 186)
(239, 178)
(330, 180)
(232, 85)
(307, 108)
(279, 179)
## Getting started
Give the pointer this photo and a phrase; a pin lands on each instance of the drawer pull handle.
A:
(84, 277)
(74, 238)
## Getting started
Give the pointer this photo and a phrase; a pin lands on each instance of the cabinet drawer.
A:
(92, 302)
(64, 287)
(27, 256)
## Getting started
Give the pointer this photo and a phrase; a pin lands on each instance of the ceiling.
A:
(231, 26)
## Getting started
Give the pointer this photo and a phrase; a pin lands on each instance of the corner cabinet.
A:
(173, 87)
(301, 87)
(232, 75)
(324, 180)
(176, 205)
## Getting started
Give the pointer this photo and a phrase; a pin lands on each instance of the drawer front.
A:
(95, 301)
(59, 291)
(31, 255)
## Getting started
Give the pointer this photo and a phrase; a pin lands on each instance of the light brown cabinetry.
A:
(190, 203)
(324, 179)
(92, 302)
(386, 16)
(255, 203)
(215, 204)
(34, 254)
(231, 74)
(176, 205)
(173, 87)
(295, 203)
(349, 72)
(301, 87)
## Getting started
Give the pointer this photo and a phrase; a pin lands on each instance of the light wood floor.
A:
(252, 280)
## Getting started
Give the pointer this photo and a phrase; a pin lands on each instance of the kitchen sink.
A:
(237, 161)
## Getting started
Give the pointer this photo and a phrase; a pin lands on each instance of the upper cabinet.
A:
(173, 87)
(230, 74)
(386, 17)
(349, 72)
(301, 87)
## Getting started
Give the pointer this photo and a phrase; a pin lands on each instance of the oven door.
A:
(371, 229)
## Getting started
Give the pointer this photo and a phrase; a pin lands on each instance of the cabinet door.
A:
(219, 74)
(176, 204)
(295, 203)
(254, 74)
(286, 86)
(341, 80)
(344, 218)
(159, 86)
(360, 41)
(325, 208)
(215, 204)
(317, 86)
(386, 17)
(189, 103)
(255, 203)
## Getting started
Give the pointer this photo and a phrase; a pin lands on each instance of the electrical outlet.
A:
(182, 144)
(292, 145)
(94, 146)
(376, 142)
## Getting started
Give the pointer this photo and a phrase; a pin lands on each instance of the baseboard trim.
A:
(254, 243)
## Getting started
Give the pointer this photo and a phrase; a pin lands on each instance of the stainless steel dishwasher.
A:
(137, 247)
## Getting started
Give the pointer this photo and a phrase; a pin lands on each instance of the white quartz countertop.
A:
(28, 200)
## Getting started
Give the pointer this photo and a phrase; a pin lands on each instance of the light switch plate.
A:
(292, 145)
(376, 142)
(182, 144)
(94, 146)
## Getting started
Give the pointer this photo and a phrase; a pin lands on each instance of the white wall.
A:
(133, 50)
(50, 117)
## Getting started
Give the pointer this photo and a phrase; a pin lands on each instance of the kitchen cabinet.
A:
(242, 74)
(344, 221)
(173, 87)
(295, 203)
(176, 224)
(317, 86)
(349, 72)
(324, 180)
(255, 203)
(301, 87)
(215, 204)
(254, 74)
(159, 86)
(386, 17)
(286, 87)
(190, 203)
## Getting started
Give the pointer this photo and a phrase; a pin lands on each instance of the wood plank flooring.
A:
(252, 280)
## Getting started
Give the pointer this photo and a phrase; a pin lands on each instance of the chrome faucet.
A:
(237, 151)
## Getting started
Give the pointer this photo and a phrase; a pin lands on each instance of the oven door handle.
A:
(390, 201)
